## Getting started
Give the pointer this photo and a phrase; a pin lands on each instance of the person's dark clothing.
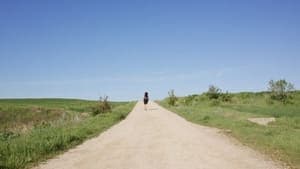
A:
(146, 100)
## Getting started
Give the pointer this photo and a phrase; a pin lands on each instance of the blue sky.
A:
(86, 49)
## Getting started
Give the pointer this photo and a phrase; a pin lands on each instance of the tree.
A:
(213, 92)
(172, 98)
(280, 90)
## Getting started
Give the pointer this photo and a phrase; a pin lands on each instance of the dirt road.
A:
(159, 139)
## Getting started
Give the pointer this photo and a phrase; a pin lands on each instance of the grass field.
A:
(32, 130)
(280, 139)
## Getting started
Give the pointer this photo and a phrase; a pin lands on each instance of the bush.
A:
(226, 97)
(172, 98)
(213, 92)
(280, 90)
(103, 106)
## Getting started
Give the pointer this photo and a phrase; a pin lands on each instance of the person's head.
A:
(146, 94)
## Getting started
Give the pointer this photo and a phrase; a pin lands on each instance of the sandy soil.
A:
(262, 121)
(160, 139)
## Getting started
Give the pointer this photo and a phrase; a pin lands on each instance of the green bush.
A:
(213, 92)
(226, 97)
(280, 90)
(103, 106)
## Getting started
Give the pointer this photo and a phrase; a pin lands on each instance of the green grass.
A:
(280, 139)
(50, 136)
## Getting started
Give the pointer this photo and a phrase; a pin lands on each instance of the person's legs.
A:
(145, 104)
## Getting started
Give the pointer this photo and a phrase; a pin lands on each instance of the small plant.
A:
(280, 90)
(172, 98)
(103, 106)
(213, 92)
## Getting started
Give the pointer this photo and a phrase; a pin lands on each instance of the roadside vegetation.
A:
(172, 98)
(32, 130)
(230, 112)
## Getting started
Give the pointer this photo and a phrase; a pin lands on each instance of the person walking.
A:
(146, 100)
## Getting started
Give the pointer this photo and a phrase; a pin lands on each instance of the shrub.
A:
(226, 97)
(172, 98)
(280, 90)
(103, 106)
(213, 92)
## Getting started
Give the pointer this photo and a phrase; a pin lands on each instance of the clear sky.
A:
(86, 49)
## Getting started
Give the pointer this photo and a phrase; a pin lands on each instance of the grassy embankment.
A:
(32, 130)
(280, 139)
